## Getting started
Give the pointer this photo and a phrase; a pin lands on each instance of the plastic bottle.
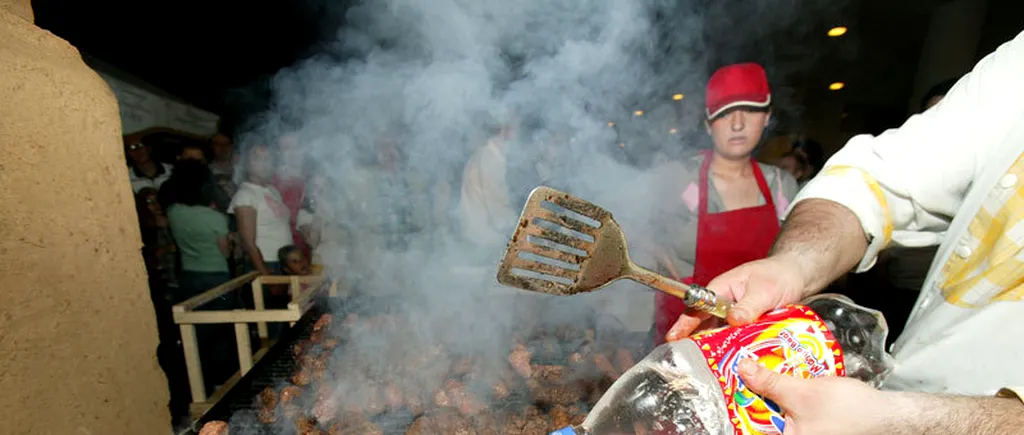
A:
(692, 387)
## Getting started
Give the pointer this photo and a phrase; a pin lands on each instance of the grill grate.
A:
(278, 365)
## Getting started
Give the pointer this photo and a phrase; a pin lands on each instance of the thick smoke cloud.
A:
(389, 111)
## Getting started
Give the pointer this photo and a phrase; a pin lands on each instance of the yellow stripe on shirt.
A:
(876, 190)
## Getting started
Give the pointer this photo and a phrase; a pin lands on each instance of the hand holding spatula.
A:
(564, 245)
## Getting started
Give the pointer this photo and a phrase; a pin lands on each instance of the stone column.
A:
(77, 329)
(951, 47)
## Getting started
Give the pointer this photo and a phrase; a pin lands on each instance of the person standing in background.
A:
(721, 208)
(485, 212)
(263, 218)
(223, 150)
(201, 234)
(143, 171)
(158, 247)
(803, 161)
(289, 180)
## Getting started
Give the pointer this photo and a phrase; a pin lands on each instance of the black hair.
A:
(813, 153)
(939, 90)
(282, 254)
(190, 183)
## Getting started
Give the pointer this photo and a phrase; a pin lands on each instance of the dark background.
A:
(219, 55)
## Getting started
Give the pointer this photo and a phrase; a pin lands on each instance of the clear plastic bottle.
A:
(691, 386)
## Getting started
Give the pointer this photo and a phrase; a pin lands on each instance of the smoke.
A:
(389, 112)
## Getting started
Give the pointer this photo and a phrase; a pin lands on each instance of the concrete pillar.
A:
(950, 49)
(77, 328)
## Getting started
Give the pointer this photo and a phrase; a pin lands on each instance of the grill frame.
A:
(279, 364)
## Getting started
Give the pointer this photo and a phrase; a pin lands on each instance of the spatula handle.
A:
(694, 296)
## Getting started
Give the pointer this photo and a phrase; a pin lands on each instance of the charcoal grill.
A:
(277, 364)
(239, 405)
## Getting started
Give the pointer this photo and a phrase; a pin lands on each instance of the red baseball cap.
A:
(742, 84)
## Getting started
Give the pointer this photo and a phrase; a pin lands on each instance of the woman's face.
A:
(261, 163)
(737, 131)
(297, 264)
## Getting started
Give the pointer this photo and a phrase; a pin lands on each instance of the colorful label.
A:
(791, 340)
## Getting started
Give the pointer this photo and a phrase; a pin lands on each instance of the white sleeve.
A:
(913, 179)
(244, 197)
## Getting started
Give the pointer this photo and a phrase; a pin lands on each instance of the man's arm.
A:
(824, 238)
(917, 413)
(837, 405)
(913, 179)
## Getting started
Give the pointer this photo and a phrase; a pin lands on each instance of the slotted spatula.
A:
(564, 245)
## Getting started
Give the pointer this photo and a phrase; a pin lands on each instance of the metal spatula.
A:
(564, 245)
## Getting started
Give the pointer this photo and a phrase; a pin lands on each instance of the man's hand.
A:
(820, 241)
(844, 406)
(757, 287)
(830, 405)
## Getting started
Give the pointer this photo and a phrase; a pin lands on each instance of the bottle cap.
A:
(564, 431)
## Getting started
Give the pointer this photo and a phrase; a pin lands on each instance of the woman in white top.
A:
(263, 219)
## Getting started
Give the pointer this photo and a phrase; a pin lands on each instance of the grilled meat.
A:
(214, 428)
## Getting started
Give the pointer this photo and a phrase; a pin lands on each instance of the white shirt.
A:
(953, 175)
(331, 250)
(484, 208)
(273, 230)
(140, 182)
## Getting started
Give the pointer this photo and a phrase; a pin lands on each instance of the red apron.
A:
(293, 192)
(724, 240)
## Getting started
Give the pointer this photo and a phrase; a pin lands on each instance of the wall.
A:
(77, 329)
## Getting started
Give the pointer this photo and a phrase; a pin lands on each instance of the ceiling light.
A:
(677, 97)
(837, 86)
(672, 131)
(837, 31)
(611, 124)
(639, 113)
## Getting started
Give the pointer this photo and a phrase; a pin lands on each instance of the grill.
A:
(278, 364)
(239, 405)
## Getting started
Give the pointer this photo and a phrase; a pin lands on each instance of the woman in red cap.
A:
(723, 207)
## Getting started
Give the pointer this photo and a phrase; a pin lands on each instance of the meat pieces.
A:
(327, 405)
(267, 413)
(623, 360)
(529, 422)
(550, 373)
(605, 366)
(520, 360)
(307, 426)
(466, 402)
(442, 423)
(562, 394)
(354, 424)
(215, 427)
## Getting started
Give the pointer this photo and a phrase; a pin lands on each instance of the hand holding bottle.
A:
(757, 287)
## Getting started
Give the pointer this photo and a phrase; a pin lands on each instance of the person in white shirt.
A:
(143, 171)
(263, 218)
(485, 209)
(952, 176)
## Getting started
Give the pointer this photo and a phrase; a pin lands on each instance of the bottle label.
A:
(791, 340)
